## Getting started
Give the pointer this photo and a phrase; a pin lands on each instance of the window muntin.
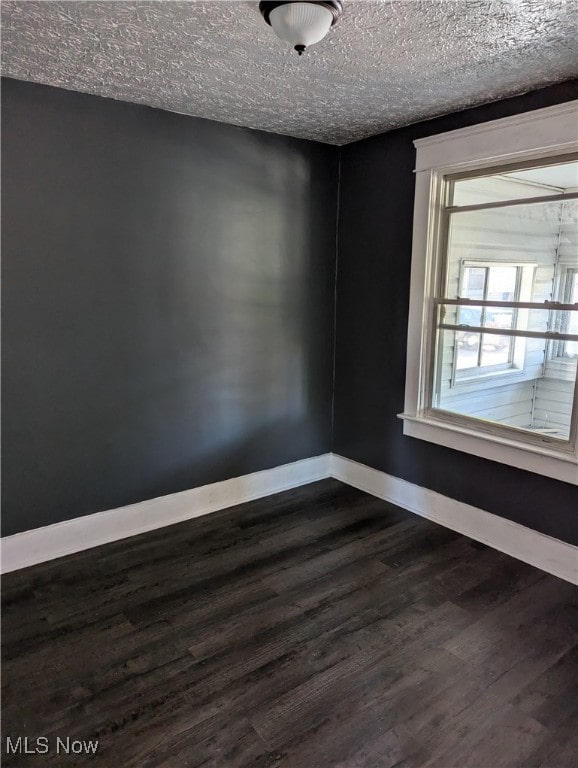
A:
(493, 333)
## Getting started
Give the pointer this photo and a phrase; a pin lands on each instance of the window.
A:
(493, 330)
(477, 353)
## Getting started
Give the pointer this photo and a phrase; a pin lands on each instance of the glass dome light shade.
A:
(301, 24)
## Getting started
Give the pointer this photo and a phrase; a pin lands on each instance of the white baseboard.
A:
(52, 541)
(544, 552)
(42, 544)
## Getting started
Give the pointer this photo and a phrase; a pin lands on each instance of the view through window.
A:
(506, 335)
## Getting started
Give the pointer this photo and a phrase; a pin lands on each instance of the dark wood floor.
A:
(319, 628)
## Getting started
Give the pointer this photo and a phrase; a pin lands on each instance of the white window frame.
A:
(536, 135)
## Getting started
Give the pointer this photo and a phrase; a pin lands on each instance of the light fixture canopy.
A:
(301, 23)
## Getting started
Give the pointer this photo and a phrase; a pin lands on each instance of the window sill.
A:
(488, 377)
(541, 460)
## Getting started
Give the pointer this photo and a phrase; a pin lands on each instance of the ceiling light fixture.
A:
(301, 24)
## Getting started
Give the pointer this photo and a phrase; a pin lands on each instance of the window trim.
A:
(543, 134)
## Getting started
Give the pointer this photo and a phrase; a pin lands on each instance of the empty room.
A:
(289, 384)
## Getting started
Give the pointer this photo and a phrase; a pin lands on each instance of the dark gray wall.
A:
(167, 305)
(168, 309)
(374, 258)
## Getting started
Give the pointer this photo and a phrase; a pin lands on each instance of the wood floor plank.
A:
(508, 737)
(317, 628)
(552, 697)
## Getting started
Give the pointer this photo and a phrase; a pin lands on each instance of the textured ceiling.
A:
(386, 64)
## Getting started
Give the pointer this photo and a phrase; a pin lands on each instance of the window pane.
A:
(468, 350)
(474, 284)
(476, 351)
(535, 398)
(503, 239)
(502, 284)
(496, 350)
(513, 185)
